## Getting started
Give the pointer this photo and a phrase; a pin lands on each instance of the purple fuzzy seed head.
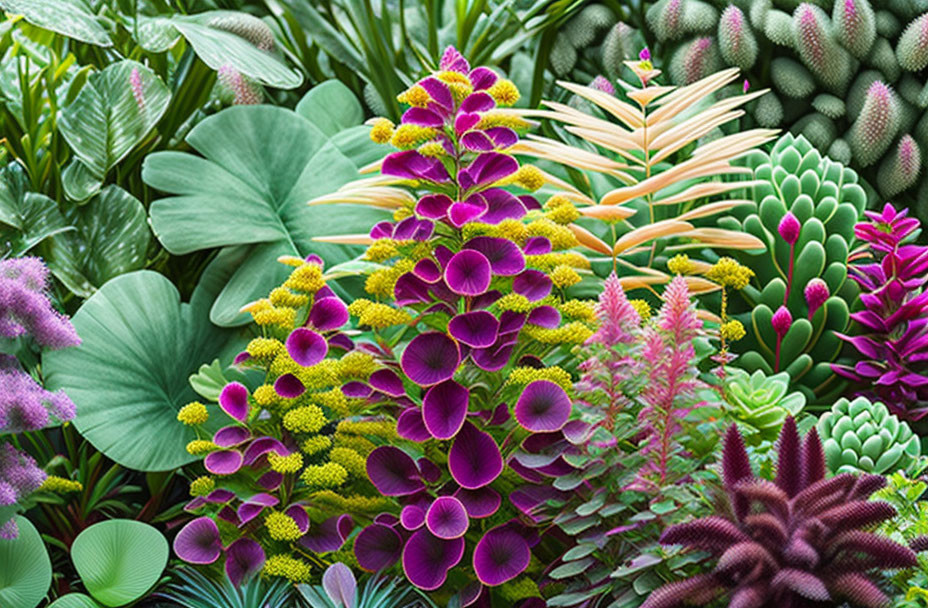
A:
(789, 228)
(781, 321)
(816, 293)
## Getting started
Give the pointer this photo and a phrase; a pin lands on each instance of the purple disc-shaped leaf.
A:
(533, 284)
(386, 381)
(424, 118)
(411, 426)
(474, 459)
(410, 289)
(537, 245)
(328, 536)
(444, 409)
(412, 517)
(382, 230)
(479, 503)
(447, 518)
(433, 206)
(393, 472)
(196, 503)
(341, 341)
(198, 542)
(500, 556)
(430, 358)
(244, 557)
(219, 496)
(501, 205)
(504, 255)
(427, 270)
(477, 329)
(298, 514)
(340, 585)
(234, 400)
(306, 347)
(223, 462)
(511, 322)
(356, 390)
(485, 300)
(328, 314)
(227, 513)
(468, 273)
(462, 212)
(429, 470)
(229, 436)
(482, 78)
(263, 445)
(289, 386)
(543, 407)
(499, 416)
(528, 498)
(427, 558)
(387, 519)
(492, 359)
(545, 316)
(377, 547)
(271, 480)
(252, 507)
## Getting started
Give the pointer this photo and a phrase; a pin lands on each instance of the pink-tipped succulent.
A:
(855, 25)
(900, 169)
(818, 47)
(736, 40)
(876, 125)
(912, 48)
(816, 294)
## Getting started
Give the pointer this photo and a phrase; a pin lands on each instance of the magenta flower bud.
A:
(645, 54)
(816, 293)
(781, 321)
(746, 85)
(789, 228)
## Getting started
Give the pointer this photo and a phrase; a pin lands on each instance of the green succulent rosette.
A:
(760, 403)
(808, 277)
(862, 436)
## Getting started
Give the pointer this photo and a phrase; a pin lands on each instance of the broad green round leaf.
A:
(74, 600)
(259, 167)
(331, 106)
(111, 238)
(119, 560)
(218, 48)
(26, 218)
(129, 376)
(113, 113)
(27, 572)
(79, 181)
(67, 17)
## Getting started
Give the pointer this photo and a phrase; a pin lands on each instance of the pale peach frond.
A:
(687, 132)
(558, 152)
(608, 139)
(707, 316)
(589, 240)
(629, 283)
(383, 197)
(684, 97)
(732, 146)
(646, 96)
(608, 213)
(371, 168)
(689, 169)
(568, 190)
(707, 189)
(711, 209)
(641, 269)
(729, 239)
(699, 285)
(627, 113)
(644, 75)
(377, 180)
(650, 232)
(345, 239)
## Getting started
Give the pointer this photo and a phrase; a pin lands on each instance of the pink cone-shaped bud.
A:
(601, 83)
(781, 321)
(135, 81)
(816, 293)
(645, 54)
(746, 85)
(789, 228)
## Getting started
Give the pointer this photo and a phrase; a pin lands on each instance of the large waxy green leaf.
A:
(74, 600)
(112, 114)
(111, 238)
(26, 218)
(331, 106)
(259, 167)
(27, 572)
(129, 376)
(68, 17)
(119, 560)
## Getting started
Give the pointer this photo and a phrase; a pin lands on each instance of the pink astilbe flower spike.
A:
(617, 318)
(135, 82)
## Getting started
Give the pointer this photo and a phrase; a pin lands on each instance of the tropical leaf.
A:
(119, 560)
(27, 571)
(67, 17)
(26, 218)
(260, 166)
(74, 600)
(331, 106)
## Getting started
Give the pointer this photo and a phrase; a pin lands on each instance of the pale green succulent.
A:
(862, 436)
(760, 403)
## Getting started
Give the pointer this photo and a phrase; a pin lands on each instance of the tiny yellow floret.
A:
(282, 565)
(60, 485)
(281, 526)
(193, 413)
(504, 92)
(328, 475)
(201, 486)
(305, 419)
(199, 447)
(381, 131)
(732, 330)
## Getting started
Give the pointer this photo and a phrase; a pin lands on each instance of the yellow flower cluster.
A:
(415, 96)
(381, 131)
(281, 296)
(504, 92)
(564, 276)
(681, 264)
(382, 281)
(511, 229)
(560, 210)
(515, 302)
(199, 447)
(402, 213)
(351, 504)
(265, 313)
(285, 464)
(560, 236)
(264, 349)
(333, 399)
(642, 308)
(60, 485)
(316, 444)
(322, 375)
(529, 177)
(306, 278)
(305, 419)
(580, 310)
(371, 428)
(282, 565)
(459, 84)
(732, 330)
(281, 526)
(328, 475)
(374, 314)
(729, 273)
(353, 462)
(361, 445)
(357, 365)
(432, 149)
(547, 261)
(201, 486)
(265, 396)
(521, 376)
(193, 413)
(409, 136)
(503, 119)
(572, 333)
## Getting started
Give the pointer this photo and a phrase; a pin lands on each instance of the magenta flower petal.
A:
(462, 212)
(427, 559)
(447, 518)
(386, 381)
(261, 446)
(410, 289)
(500, 556)
(494, 358)
(465, 121)
(229, 436)
(234, 400)
(479, 503)
(328, 314)
(198, 542)
(504, 256)
(468, 273)
(537, 245)
(533, 284)
(477, 329)
(386, 519)
(502, 205)
(227, 513)
(544, 316)
(377, 547)
(244, 557)
(433, 206)
(438, 91)
(444, 409)
(306, 347)
(543, 407)
(341, 341)
(393, 472)
(223, 462)
(289, 386)
(357, 390)
(474, 459)
(488, 168)
(427, 270)
(271, 480)
(219, 496)
(482, 78)
(382, 230)
(298, 514)
(241, 358)
(511, 322)
(430, 358)
(477, 102)
(409, 164)
(328, 536)
(422, 117)
(477, 141)
(410, 425)
(412, 517)
(429, 470)
(252, 507)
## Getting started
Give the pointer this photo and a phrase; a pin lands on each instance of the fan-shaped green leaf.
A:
(119, 560)
(331, 106)
(69, 18)
(27, 572)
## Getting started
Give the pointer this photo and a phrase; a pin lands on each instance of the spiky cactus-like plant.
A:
(797, 541)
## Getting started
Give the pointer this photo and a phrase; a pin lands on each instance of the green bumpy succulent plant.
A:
(804, 207)
(760, 403)
(860, 436)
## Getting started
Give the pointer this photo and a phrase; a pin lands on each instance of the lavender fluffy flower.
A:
(26, 310)
(24, 404)
(19, 476)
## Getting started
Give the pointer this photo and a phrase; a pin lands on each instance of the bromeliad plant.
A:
(792, 542)
(288, 460)
(893, 344)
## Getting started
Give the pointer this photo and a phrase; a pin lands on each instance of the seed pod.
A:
(245, 26)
